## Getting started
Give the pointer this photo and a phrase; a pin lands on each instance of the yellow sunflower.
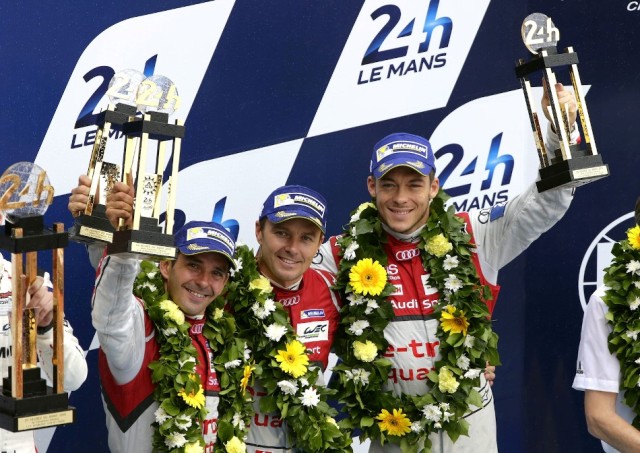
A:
(454, 323)
(193, 399)
(633, 236)
(245, 377)
(368, 277)
(396, 424)
(294, 359)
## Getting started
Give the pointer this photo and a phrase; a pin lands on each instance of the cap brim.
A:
(186, 251)
(315, 220)
(390, 165)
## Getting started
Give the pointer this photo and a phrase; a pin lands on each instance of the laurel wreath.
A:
(622, 279)
(298, 400)
(178, 423)
(362, 378)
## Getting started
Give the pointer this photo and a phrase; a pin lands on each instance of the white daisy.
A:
(358, 327)
(371, 305)
(275, 331)
(416, 427)
(635, 304)
(237, 421)
(161, 416)
(633, 267)
(358, 375)
(463, 362)
(182, 422)
(450, 262)
(452, 283)
(288, 387)
(632, 334)
(232, 364)
(431, 412)
(473, 373)
(310, 397)
(354, 299)
(170, 331)
(468, 341)
(175, 440)
(350, 251)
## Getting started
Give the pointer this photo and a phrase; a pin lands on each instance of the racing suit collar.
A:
(404, 237)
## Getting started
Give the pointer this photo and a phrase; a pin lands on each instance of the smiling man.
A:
(130, 334)
(290, 230)
(394, 231)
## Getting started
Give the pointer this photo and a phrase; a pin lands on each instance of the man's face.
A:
(194, 281)
(287, 248)
(402, 198)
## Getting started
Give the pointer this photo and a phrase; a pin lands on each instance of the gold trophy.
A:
(570, 165)
(26, 401)
(92, 225)
(157, 98)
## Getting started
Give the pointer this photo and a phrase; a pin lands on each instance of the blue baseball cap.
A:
(202, 237)
(402, 149)
(291, 202)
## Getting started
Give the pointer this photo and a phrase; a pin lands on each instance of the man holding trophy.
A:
(427, 309)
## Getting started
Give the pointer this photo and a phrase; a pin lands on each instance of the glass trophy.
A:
(157, 98)
(92, 225)
(26, 401)
(572, 164)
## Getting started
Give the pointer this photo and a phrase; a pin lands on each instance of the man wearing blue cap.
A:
(290, 230)
(432, 277)
(132, 333)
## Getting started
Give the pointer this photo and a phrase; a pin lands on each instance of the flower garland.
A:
(622, 279)
(281, 361)
(178, 388)
(466, 338)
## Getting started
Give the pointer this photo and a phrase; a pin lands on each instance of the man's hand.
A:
(42, 300)
(490, 373)
(80, 196)
(567, 101)
(120, 203)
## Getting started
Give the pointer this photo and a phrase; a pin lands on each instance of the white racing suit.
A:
(501, 233)
(75, 365)
(127, 347)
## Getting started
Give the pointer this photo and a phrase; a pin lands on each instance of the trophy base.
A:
(94, 228)
(142, 244)
(572, 173)
(34, 412)
(38, 407)
(36, 236)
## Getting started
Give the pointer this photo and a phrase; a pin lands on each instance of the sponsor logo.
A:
(313, 331)
(290, 301)
(428, 289)
(598, 256)
(399, 290)
(412, 147)
(497, 211)
(287, 199)
(209, 233)
(313, 313)
(416, 348)
(406, 255)
(197, 247)
(196, 329)
(633, 6)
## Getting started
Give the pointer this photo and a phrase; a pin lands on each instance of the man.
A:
(290, 231)
(130, 335)
(402, 184)
(75, 365)
(598, 372)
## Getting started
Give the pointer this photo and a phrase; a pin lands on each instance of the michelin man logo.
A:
(598, 256)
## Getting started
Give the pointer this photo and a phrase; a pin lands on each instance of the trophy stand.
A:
(156, 98)
(571, 165)
(92, 224)
(26, 401)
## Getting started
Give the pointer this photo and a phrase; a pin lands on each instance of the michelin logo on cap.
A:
(416, 148)
(204, 233)
(286, 199)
